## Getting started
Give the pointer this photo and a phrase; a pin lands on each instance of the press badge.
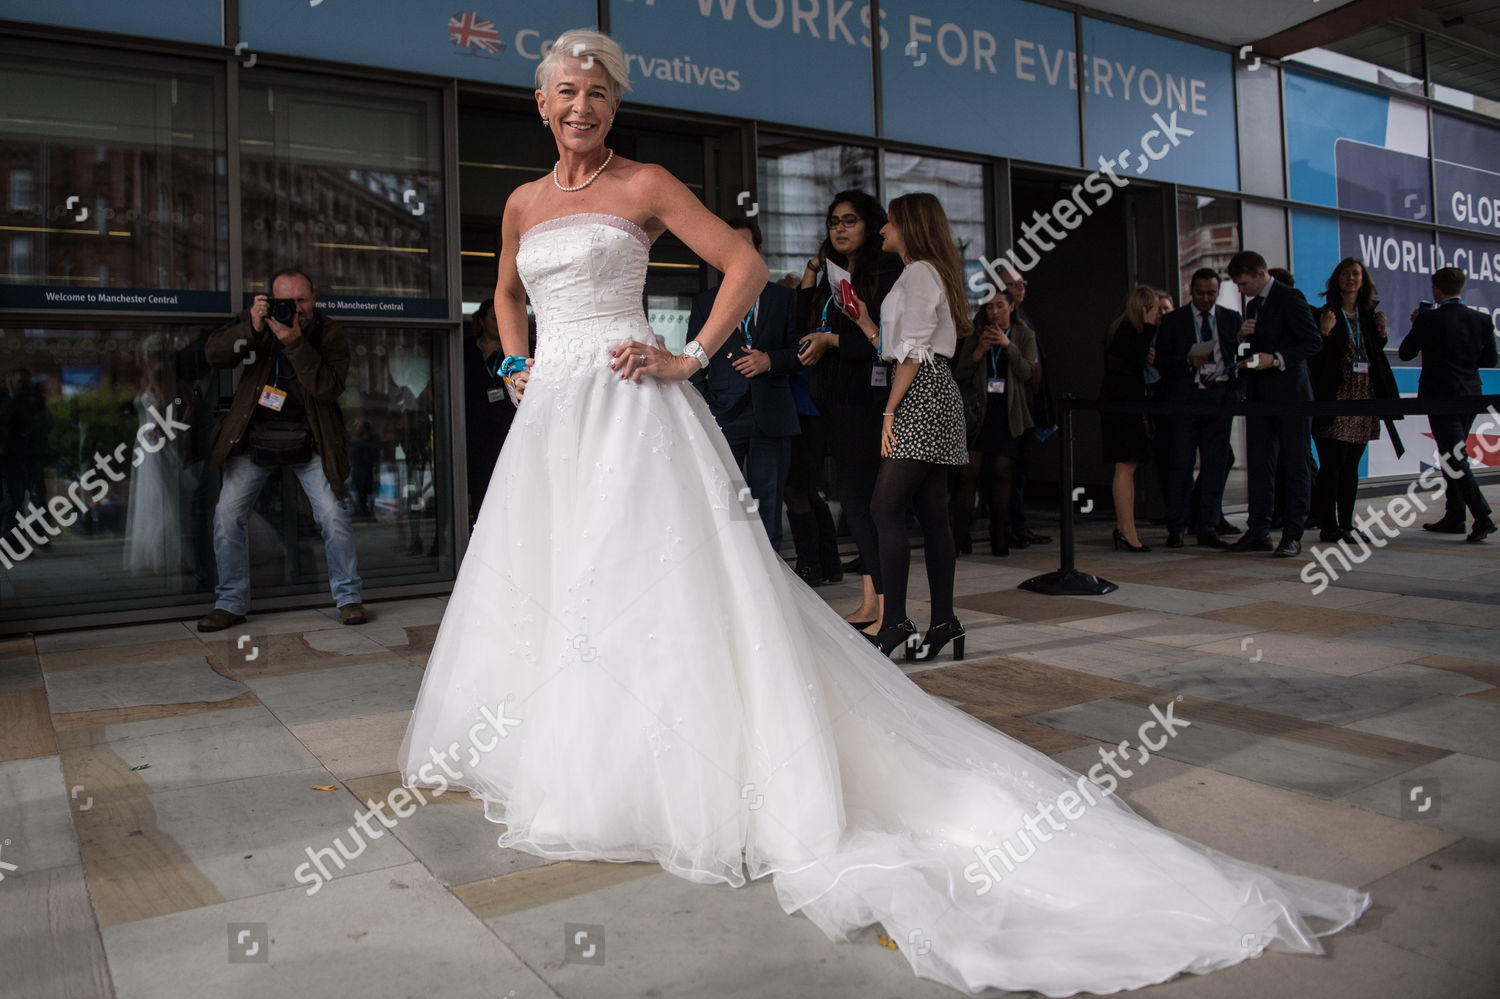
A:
(272, 398)
(879, 376)
(996, 386)
(495, 394)
(1361, 367)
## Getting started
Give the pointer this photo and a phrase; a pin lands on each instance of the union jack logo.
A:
(468, 30)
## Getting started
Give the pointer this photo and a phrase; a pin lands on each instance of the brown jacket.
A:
(321, 370)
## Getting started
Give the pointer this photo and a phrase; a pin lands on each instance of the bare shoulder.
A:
(521, 207)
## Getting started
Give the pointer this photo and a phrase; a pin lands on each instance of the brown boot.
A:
(353, 614)
(218, 619)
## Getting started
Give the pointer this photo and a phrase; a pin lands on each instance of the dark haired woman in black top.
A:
(851, 383)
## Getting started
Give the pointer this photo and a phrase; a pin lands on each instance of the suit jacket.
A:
(765, 400)
(1178, 334)
(1455, 341)
(1283, 325)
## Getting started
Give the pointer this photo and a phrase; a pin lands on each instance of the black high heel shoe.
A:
(861, 625)
(938, 636)
(886, 639)
(1120, 542)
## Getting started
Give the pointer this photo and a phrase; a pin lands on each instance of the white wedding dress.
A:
(668, 690)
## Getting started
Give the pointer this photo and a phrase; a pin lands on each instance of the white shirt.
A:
(915, 322)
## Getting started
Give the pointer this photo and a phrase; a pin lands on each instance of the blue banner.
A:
(1159, 108)
(996, 78)
(182, 20)
(1465, 158)
(799, 62)
(487, 40)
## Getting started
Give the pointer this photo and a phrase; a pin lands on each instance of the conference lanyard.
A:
(1359, 347)
(995, 354)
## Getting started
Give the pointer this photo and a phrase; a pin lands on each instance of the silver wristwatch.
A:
(694, 349)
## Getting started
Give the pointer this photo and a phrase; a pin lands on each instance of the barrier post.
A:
(1067, 581)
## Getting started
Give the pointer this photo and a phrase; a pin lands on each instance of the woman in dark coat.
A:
(1351, 365)
(1126, 437)
(851, 383)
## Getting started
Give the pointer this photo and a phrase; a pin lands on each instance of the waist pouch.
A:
(280, 444)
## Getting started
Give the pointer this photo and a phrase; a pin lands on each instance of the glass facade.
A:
(345, 181)
(117, 204)
(132, 226)
(798, 179)
(1208, 235)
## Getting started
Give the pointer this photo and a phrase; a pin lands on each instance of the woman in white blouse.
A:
(923, 432)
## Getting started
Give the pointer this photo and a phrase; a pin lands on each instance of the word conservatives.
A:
(34, 528)
(1070, 803)
(399, 801)
(683, 70)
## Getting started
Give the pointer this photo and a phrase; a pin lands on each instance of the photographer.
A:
(285, 413)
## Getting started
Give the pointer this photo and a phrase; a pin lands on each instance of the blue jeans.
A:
(243, 480)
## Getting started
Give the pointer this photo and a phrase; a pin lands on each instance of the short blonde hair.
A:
(585, 43)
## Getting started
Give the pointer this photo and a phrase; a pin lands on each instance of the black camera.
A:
(283, 310)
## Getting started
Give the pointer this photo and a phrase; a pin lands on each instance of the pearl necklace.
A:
(592, 177)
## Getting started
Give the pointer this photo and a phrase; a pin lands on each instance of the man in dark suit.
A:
(746, 387)
(1455, 341)
(1280, 336)
(1197, 374)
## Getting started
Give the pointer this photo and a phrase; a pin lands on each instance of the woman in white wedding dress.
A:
(627, 672)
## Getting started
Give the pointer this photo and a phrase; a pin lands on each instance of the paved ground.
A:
(159, 788)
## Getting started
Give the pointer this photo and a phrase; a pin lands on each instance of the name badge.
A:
(996, 386)
(1361, 367)
(495, 394)
(879, 376)
(272, 398)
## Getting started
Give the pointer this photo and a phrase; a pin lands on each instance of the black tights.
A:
(1000, 496)
(1337, 484)
(906, 484)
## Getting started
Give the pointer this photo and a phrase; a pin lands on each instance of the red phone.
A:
(846, 301)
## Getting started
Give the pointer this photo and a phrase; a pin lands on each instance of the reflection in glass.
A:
(1208, 235)
(1464, 76)
(117, 192)
(959, 186)
(105, 433)
(346, 182)
(798, 178)
(120, 496)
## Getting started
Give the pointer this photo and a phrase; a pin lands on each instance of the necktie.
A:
(1205, 334)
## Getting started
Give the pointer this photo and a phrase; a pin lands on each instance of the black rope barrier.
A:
(1069, 581)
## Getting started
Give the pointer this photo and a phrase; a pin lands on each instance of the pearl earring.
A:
(545, 122)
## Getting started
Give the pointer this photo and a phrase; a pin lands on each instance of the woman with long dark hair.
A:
(922, 426)
(1351, 365)
(993, 366)
(852, 383)
(1126, 438)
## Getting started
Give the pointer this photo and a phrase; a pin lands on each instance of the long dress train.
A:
(626, 671)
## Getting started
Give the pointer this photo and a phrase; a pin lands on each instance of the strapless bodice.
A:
(585, 275)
